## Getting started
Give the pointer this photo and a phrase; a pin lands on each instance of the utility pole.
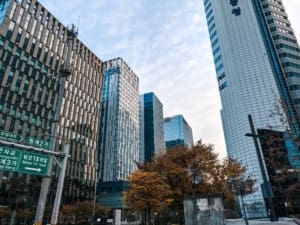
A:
(95, 194)
(266, 186)
(64, 72)
(60, 185)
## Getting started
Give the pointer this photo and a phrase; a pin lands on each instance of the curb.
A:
(296, 220)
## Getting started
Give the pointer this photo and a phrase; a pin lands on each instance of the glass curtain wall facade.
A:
(177, 132)
(284, 53)
(32, 49)
(151, 127)
(119, 135)
(253, 46)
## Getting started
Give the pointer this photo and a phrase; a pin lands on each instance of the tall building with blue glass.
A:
(151, 127)
(177, 132)
(257, 61)
(119, 130)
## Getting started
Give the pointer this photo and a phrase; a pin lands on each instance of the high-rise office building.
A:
(177, 132)
(151, 127)
(33, 46)
(119, 130)
(256, 57)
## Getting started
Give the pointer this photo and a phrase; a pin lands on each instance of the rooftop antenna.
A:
(78, 22)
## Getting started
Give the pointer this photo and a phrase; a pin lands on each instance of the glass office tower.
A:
(177, 132)
(151, 127)
(119, 135)
(33, 44)
(256, 57)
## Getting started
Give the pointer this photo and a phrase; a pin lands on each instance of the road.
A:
(257, 222)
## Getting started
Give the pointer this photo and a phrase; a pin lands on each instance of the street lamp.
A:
(95, 193)
(266, 186)
(241, 186)
(196, 180)
(96, 196)
(64, 71)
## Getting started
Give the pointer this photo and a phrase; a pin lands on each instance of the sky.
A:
(166, 43)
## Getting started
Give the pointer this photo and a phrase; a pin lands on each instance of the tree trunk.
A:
(181, 214)
(148, 216)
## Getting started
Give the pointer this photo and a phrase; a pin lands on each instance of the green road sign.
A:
(37, 143)
(12, 159)
(7, 136)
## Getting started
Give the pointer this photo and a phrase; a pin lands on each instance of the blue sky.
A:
(166, 43)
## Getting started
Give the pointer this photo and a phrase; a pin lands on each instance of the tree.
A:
(82, 212)
(178, 167)
(148, 192)
(25, 215)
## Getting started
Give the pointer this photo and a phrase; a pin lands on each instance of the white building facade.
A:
(247, 82)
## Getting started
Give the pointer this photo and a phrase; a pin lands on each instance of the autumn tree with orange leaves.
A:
(148, 193)
(175, 170)
(82, 212)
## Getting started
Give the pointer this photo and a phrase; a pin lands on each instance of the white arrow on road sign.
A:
(33, 169)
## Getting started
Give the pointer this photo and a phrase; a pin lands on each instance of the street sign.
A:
(12, 159)
(37, 143)
(7, 136)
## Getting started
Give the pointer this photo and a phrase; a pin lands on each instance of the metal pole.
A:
(60, 185)
(64, 72)
(245, 215)
(95, 195)
(46, 180)
(194, 210)
(266, 185)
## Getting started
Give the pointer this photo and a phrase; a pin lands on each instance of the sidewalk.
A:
(283, 221)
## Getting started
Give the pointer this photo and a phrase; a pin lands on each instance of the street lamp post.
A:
(65, 71)
(241, 187)
(95, 194)
(60, 184)
(267, 190)
(196, 179)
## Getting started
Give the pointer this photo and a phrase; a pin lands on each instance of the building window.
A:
(294, 87)
(28, 3)
(216, 50)
(218, 59)
(20, 15)
(10, 29)
(221, 76)
(220, 67)
(41, 15)
(27, 22)
(18, 38)
(47, 20)
(224, 85)
(35, 9)
(13, 9)
(40, 32)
